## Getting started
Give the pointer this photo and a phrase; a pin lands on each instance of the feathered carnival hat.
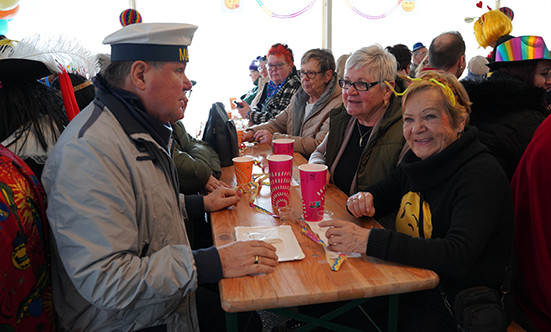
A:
(39, 56)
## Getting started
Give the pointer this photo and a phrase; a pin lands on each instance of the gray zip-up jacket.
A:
(121, 257)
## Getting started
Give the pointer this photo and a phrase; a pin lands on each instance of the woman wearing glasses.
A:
(274, 96)
(509, 106)
(365, 139)
(306, 119)
(455, 211)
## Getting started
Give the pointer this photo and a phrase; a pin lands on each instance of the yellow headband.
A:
(447, 89)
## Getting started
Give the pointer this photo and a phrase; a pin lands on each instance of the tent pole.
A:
(327, 24)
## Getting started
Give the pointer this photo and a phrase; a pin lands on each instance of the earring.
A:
(385, 103)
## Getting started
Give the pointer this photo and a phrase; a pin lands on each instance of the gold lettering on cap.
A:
(184, 56)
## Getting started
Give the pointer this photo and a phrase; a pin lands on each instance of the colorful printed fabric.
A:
(25, 290)
(278, 102)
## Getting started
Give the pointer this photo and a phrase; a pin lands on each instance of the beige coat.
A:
(314, 127)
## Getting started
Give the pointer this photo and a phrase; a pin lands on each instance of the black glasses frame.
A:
(346, 84)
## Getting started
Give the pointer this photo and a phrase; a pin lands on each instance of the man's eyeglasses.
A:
(359, 86)
(311, 74)
(277, 65)
(188, 93)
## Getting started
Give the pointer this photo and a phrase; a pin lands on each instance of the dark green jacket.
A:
(195, 160)
(382, 152)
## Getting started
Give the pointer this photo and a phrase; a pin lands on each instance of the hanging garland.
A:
(293, 15)
(372, 17)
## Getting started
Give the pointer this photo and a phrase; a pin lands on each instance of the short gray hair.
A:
(324, 57)
(116, 72)
(376, 60)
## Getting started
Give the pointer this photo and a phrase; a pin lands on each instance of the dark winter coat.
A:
(507, 111)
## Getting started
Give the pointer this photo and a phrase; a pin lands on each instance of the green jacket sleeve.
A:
(195, 161)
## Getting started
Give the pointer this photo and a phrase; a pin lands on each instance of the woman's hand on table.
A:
(214, 184)
(263, 137)
(247, 257)
(220, 198)
(248, 135)
(361, 204)
(345, 236)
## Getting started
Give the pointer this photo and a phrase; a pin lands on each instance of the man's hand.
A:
(247, 257)
(214, 184)
(220, 198)
(361, 204)
(263, 136)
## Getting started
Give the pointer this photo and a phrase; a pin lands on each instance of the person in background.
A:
(341, 63)
(197, 163)
(455, 207)
(103, 60)
(82, 87)
(419, 53)
(531, 193)
(494, 28)
(255, 68)
(365, 139)
(403, 58)
(33, 114)
(509, 106)
(306, 119)
(120, 248)
(447, 53)
(477, 69)
(25, 286)
(275, 95)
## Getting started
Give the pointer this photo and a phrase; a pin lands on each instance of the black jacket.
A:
(507, 111)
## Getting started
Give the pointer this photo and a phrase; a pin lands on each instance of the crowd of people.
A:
(105, 196)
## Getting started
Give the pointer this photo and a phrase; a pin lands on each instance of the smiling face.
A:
(314, 87)
(164, 93)
(278, 75)
(408, 5)
(366, 106)
(427, 127)
(542, 79)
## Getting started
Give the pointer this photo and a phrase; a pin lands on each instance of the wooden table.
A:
(308, 281)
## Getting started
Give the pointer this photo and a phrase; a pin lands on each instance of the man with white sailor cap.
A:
(121, 256)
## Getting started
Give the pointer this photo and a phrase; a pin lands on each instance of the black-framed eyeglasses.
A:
(188, 93)
(311, 74)
(359, 86)
(277, 65)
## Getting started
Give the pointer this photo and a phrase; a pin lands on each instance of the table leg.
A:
(393, 313)
(231, 322)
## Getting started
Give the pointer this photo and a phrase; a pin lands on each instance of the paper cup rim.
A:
(283, 140)
(279, 157)
(312, 167)
(242, 159)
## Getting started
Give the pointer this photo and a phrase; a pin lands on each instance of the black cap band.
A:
(149, 52)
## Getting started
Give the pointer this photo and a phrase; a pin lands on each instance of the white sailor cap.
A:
(151, 42)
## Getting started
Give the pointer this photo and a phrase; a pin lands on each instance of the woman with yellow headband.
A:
(455, 213)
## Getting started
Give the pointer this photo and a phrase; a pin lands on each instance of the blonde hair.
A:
(490, 26)
(455, 97)
(341, 62)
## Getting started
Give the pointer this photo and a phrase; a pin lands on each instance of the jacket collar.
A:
(301, 98)
(131, 114)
